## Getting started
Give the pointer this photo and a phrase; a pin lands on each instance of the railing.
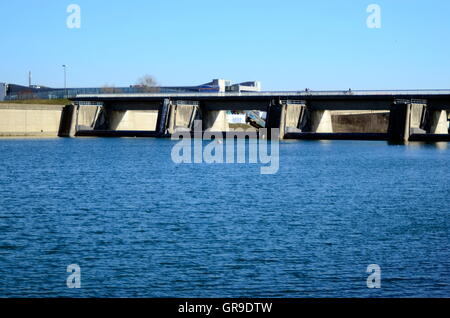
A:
(186, 102)
(73, 92)
(292, 102)
(193, 92)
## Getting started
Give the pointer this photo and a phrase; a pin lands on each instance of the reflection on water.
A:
(437, 145)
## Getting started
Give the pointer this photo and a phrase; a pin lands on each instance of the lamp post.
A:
(65, 80)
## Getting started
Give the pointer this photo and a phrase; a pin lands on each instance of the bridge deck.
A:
(302, 95)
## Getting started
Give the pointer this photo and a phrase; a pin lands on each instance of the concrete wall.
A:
(87, 116)
(293, 113)
(183, 115)
(360, 122)
(417, 111)
(141, 120)
(439, 122)
(321, 121)
(215, 120)
(30, 120)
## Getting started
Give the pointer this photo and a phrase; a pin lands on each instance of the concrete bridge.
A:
(399, 115)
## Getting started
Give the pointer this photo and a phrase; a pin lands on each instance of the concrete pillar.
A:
(184, 117)
(172, 119)
(115, 118)
(163, 117)
(399, 122)
(417, 113)
(285, 117)
(438, 122)
(215, 120)
(68, 121)
(87, 117)
(321, 121)
(101, 120)
(275, 118)
(293, 117)
(282, 127)
(304, 123)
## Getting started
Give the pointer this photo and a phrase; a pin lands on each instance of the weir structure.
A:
(398, 116)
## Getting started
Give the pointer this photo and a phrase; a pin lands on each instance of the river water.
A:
(139, 225)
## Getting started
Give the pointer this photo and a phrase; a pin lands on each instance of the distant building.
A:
(226, 86)
(245, 87)
(216, 85)
(14, 92)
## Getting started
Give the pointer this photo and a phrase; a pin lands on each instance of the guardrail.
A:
(73, 92)
(282, 94)
(186, 92)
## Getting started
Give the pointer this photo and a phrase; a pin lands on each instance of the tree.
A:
(147, 84)
(106, 89)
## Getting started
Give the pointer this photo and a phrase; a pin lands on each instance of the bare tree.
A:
(147, 84)
(107, 89)
(110, 89)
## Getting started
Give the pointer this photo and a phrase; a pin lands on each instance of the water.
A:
(140, 226)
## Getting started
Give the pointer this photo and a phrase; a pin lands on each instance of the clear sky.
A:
(286, 44)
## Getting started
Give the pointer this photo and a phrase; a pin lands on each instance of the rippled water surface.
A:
(139, 225)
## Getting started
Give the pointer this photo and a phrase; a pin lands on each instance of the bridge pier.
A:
(399, 122)
(87, 116)
(163, 118)
(215, 120)
(117, 119)
(391, 115)
(438, 122)
(417, 121)
(182, 116)
(273, 118)
(302, 118)
(67, 123)
(214, 111)
(321, 121)
(293, 117)
(287, 116)
(405, 119)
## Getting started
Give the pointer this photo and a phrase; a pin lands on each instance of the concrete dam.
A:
(30, 120)
(413, 115)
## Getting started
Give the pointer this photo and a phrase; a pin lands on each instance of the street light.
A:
(65, 80)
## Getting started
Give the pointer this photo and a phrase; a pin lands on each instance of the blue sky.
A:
(286, 44)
